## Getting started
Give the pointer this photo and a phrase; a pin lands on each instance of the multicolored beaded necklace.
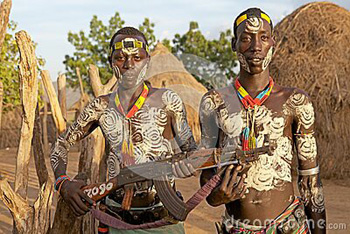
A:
(250, 104)
(127, 150)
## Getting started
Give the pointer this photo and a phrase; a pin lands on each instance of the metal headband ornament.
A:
(128, 43)
(245, 16)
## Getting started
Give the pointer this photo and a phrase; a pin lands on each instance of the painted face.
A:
(254, 45)
(129, 64)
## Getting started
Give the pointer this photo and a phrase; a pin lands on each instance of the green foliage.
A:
(9, 58)
(210, 61)
(93, 48)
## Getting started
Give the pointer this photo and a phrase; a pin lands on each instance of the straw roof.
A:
(166, 71)
(312, 53)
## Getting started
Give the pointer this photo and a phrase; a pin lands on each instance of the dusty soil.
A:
(202, 219)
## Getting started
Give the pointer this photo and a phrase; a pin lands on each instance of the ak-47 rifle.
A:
(159, 170)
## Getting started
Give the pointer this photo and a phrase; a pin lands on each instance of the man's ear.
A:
(273, 39)
(233, 44)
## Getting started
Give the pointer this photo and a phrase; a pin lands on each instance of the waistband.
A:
(234, 226)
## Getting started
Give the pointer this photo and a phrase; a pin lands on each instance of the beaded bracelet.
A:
(60, 186)
(59, 181)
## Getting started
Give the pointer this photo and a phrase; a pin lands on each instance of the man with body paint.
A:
(259, 197)
(140, 124)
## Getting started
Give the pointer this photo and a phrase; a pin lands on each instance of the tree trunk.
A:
(5, 8)
(29, 96)
(55, 107)
(61, 87)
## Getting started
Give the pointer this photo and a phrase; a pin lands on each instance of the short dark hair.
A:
(251, 12)
(127, 31)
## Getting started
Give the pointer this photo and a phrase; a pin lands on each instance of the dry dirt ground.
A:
(202, 219)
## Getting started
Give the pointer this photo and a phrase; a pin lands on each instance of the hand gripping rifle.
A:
(159, 170)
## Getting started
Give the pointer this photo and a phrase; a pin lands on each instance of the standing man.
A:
(140, 124)
(259, 197)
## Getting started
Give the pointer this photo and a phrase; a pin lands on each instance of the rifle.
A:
(159, 170)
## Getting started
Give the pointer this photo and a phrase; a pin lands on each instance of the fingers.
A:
(80, 205)
(86, 198)
(240, 188)
(234, 178)
(182, 170)
(226, 178)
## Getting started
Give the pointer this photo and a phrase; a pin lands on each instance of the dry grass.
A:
(313, 53)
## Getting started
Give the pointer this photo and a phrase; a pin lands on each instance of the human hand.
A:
(183, 169)
(232, 186)
(75, 197)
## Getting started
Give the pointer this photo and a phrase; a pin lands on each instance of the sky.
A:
(49, 21)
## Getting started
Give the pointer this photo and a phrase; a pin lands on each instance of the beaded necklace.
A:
(127, 150)
(250, 104)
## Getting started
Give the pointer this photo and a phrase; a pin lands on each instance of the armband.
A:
(308, 172)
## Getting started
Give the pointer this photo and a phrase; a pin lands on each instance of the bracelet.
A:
(60, 186)
(307, 172)
(59, 180)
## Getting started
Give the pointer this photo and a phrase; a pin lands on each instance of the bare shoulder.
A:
(289, 93)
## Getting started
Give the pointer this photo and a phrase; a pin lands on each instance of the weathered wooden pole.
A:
(29, 97)
(97, 87)
(5, 8)
(45, 136)
(77, 69)
(55, 107)
(61, 91)
(38, 150)
(27, 219)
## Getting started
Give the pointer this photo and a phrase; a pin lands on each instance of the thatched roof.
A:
(313, 53)
(166, 71)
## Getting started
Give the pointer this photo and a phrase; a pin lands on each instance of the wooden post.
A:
(27, 219)
(45, 136)
(29, 97)
(5, 8)
(61, 88)
(97, 87)
(77, 69)
(38, 150)
(55, 107)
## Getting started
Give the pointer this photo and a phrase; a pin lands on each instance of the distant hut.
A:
(166, 71)
(312, 52)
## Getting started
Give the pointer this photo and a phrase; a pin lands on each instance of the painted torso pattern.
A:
(270, 172)
(156, 130)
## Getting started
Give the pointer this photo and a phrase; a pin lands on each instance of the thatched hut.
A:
(166, 71)
(313, 53)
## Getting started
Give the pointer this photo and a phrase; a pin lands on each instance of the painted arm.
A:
(309, 181)
(230, 188)
(182, 131)
(86, 123)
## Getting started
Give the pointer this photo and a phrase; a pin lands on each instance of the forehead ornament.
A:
(129, 46)
(253, 24)
(245, 17)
